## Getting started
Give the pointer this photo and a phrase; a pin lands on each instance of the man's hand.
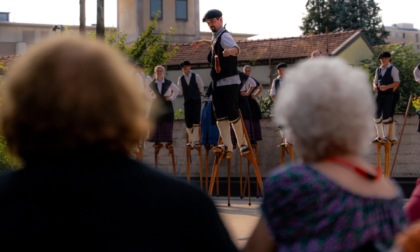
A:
(198, 43)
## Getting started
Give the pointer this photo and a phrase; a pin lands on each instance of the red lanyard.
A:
(357, 169)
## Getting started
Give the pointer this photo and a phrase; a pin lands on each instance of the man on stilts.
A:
(224, 73)
(385, 86)
(192, 87)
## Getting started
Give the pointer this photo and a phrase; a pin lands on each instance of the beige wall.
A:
(404, 33)
(134, 18)
(16, 37)
(357, 51)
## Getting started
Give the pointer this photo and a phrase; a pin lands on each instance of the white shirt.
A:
(172, 91)
(416, 74)
(187, 77)
(273, 90)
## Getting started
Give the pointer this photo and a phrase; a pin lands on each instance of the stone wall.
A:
(407, 162)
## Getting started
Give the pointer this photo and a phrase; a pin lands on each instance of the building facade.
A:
(404, 33)
(180, 16)
(16, 37)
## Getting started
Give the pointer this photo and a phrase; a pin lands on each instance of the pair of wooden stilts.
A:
(251, 158)
(157, 147)
(387, 145)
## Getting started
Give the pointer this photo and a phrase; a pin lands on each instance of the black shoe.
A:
(393, 141)
(244, 150)
(377, 140)
(195, 144)
(220, 148)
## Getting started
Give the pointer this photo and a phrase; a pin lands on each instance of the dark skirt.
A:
(256, 131)
(164, 123)
(256, 117)
(162, 133)
(255, 109)
(244, 107)
(209, 130)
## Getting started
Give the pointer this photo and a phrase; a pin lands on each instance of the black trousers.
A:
(225, 102)
(384, 105)
(192, 110)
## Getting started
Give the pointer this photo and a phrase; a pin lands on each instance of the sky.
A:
(267, 18)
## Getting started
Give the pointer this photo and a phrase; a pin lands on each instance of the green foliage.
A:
(405, 59)
(2, 66)
(317, 20)
(179, 114)
(416, 102)
(151, 49)
(343, 15)
(265, 106)
(117, 40)
(7, 161)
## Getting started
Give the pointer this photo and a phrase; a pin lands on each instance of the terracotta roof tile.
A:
(282, 48)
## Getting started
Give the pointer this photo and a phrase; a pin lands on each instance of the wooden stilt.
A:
(247, 184)
(401, 133)
(189, 149)
(387, 149)
(170, 148)
(207, 147)
(228, 182)
(250, 157)
(241, 193)
(157, 147)
(188, 160)
(387, 156)
(286, 149)
(140, 151)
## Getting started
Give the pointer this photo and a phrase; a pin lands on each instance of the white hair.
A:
(328, 106)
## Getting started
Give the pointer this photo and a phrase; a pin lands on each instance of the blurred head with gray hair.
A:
(327, 105)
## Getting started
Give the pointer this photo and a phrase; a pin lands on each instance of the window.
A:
(417, 37)
(181, 10)
(155, 8)
(4, 16)
(403, 35)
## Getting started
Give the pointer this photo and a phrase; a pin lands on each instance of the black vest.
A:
(191, 91)
(277, 84)
(228, 64)
(154, 88)
(385, 79)
(244, 77)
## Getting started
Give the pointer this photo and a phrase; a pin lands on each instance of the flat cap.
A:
(213, 13)
(281, 65)
(384, 55)
(185, 63)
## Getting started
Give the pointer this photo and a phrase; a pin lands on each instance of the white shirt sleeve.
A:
(172, 91)
(180, 85)
(416, 74)
(200, 83)
(227, 41)
(273, 88)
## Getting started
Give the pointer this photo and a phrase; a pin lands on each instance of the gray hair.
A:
(327, 105)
